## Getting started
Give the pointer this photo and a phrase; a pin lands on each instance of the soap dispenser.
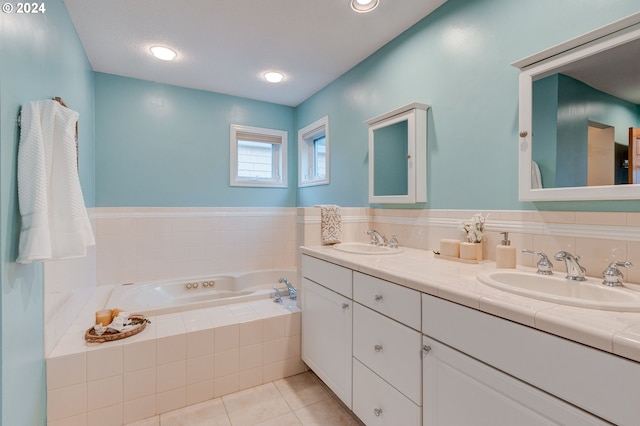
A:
(505, 253)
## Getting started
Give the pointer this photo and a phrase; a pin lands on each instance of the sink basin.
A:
(363, 248)
(557, 289)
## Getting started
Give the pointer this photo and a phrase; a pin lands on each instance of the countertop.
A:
(422, 270)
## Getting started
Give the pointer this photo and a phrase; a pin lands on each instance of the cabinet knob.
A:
(377, 297)
(345, 306)
(426, 349)
(377, 348)
(377, 412)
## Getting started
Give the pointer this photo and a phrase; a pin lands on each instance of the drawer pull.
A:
(377, 412)
(377, 348)
(426, 349)
(377, 297)
(345, 306)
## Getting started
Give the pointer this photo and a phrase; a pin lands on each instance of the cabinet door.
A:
(326, 337)
(459, 390)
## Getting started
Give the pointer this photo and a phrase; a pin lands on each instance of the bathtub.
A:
(164, 297)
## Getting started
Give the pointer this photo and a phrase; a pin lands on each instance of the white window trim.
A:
(279, 163)
(306, 136)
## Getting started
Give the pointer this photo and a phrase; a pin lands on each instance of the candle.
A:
(450, 248)
(103, 317)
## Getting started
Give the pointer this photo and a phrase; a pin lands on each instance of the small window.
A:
(313, 153)
(258, 157)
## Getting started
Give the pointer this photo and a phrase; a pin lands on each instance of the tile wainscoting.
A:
(598, 237)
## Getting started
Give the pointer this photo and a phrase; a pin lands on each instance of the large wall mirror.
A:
(580, 117)
(398, 155)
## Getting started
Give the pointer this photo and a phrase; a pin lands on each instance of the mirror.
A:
(398, 155)
(580, 117)
(391, 168)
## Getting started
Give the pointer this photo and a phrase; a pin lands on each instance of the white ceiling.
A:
(614, 71)
(225, 46)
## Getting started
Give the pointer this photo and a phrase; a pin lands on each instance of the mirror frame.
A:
(542, 64)
(416, 116)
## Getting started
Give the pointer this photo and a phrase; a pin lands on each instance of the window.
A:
(258, 157)
(313, 153)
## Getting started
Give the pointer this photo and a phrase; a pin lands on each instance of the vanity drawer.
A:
(390, 349)
(392, 300)
(375, 402)
(327, 274)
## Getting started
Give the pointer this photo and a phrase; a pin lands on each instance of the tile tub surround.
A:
(178, 360)
(148, 244)
(614, 332)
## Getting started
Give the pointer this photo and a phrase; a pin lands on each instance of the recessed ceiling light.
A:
(363, 6)
(273, 76)
(163, 53)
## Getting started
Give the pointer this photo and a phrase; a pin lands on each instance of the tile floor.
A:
(297, 400)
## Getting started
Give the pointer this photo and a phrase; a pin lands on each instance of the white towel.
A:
(536, 177)
(331, 224)
(55, 224)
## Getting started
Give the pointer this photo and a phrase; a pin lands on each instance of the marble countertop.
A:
(614, 332)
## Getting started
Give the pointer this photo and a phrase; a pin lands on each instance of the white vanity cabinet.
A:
(387, 388)
(483, 370)
(327, 324)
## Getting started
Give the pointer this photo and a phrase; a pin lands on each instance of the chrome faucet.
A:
(612, 276)
(277, 298)
(574, 270)
(293, 293)
(545, 267)
(376, 238)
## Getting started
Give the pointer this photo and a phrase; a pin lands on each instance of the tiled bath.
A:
(178, 360)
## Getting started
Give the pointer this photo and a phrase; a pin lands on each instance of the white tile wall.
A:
(135, 244)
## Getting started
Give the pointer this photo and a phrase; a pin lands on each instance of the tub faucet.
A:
(293, 293)
(574, 270)
(376, 238)
(277, 298)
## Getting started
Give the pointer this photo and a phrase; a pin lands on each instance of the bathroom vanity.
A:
(411, 339)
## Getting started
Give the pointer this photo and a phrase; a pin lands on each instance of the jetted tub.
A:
(163, 297)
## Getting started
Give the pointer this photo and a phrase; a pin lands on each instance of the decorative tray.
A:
(138, 321)
(455, 259)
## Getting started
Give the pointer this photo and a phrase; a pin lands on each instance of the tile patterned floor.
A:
(297, 400)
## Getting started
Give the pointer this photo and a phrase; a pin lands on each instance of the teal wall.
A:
(41, 57)
(391, 150)
(545, 127)
(458, 61)
(162, 145)
(159, 145)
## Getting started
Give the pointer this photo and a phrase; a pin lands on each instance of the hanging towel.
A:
(536, 177)
(55, 224)
(331, 224)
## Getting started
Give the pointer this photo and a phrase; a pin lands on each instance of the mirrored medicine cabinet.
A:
(579, 117)
(398, 155)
